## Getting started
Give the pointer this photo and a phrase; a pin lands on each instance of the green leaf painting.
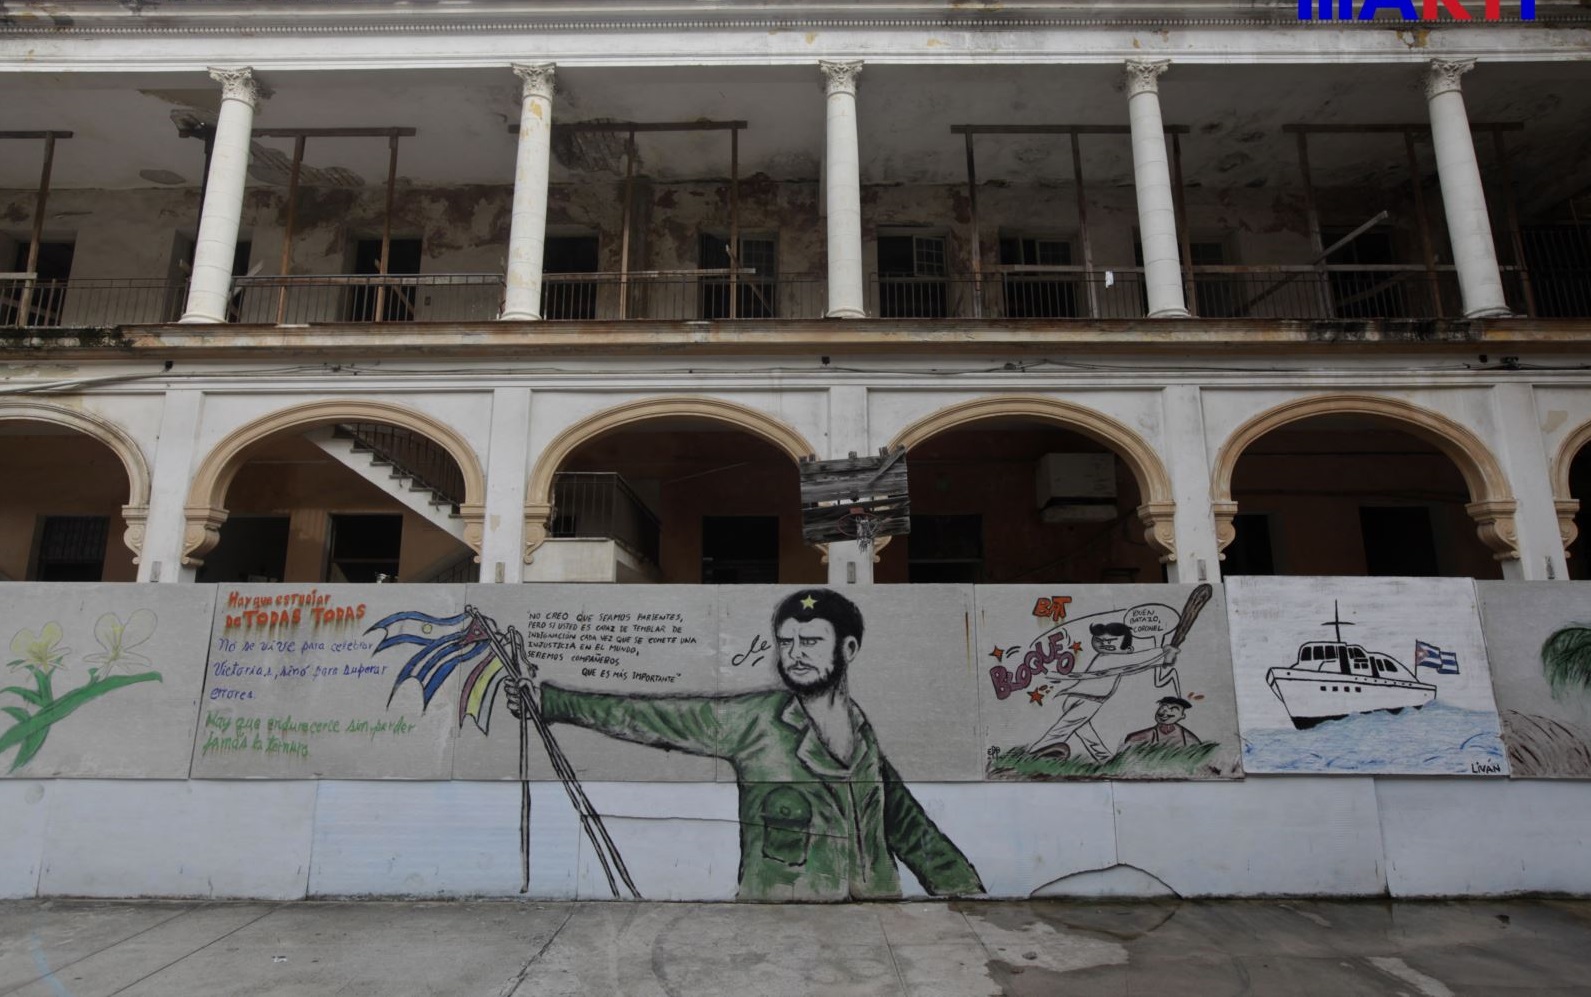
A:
(40, 656)
(1566, 660)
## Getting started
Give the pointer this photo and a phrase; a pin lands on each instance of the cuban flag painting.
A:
(442, 645)
(1431, 656)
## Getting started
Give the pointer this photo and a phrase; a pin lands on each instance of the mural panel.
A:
(101, 681)
(1363, 675)
(760, 685)
(1106, 682)
(1538, 637)
(330, 681)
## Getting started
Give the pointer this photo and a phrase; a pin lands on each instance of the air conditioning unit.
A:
(1077, 487)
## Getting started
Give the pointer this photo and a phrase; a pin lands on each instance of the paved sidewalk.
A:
(497, 949)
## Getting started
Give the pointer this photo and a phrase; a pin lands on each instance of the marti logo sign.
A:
(1430, 10)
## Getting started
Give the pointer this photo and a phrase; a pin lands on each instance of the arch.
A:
(1562, 499)
(1492, 504)
(136, 511)
(206, 509)
(538, 494)
(1157, 508)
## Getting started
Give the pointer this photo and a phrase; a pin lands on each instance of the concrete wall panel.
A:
(678, 842)
(110, 838)
(104, 680)
(24, 813)
(1297, 836)
(1495, 838)
(1538, 638)
(440, 839)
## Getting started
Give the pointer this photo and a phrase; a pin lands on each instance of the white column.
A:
(507, 469)
(843, 187)
(1529, 473)
(1188, 463)
(1157, 215)
(217, 243)
(161, 558)
(527, 230)
(1468, 226)
(848, 433)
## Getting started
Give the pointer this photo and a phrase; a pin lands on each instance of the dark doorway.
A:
(47, 295)
(1249, 553)
(945, 549)
(911, 276)
(740, 550)
(364, 547)
(569, 299)
(397, 303)
(72, 549)
(1398, 541)
(252, 549)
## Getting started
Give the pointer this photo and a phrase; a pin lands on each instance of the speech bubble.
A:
(1152, 619)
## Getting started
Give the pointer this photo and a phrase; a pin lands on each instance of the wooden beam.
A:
(973, 236)
(1419, 129)
(386, 225)
(1514, 235)
(333, 132)
(1055, 129)
(1427, 246)
(1082, 231)
(634, 127)
(25, 300)
(287, 233)
(35, 135)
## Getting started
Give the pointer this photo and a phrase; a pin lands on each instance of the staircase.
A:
(410, 468)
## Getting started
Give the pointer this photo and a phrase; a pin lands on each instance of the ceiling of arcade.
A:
(126, 126)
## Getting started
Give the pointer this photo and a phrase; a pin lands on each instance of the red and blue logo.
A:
(1430, 10)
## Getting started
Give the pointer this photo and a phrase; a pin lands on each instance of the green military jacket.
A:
(811, 827)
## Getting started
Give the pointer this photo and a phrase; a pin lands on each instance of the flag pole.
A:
(590, 821)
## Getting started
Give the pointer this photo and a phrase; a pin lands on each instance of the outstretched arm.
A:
(683, 723)
(916, 840)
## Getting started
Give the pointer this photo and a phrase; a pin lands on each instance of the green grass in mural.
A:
(1566, 660)
(1154, 760)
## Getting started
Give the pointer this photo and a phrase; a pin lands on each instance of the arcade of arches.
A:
(698, 500)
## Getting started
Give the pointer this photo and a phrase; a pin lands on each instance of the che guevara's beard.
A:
(816, 687)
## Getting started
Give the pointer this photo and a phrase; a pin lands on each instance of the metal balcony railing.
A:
(1389, 291)
(600, 505)
(682, 296)
(29, 302)
(302, 299)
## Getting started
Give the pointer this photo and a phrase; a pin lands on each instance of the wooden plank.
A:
(334, 132)
(648, 126)
(1475, 126)
(35, 135)
(1055, 129)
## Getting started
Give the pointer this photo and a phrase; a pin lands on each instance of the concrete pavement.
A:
(504, 949)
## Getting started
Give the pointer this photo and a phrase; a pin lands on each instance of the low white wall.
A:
(1307, 836)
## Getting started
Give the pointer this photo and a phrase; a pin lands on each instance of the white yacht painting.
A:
(1394, 681)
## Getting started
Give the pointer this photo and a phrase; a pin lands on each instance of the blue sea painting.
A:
(1436, 740)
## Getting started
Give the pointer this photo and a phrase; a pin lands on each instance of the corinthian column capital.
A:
(536, 79)
(1143, 75)
(840, 77)
(240, 84)
(1443, 75)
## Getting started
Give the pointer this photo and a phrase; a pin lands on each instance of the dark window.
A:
(755, 294)
(72, 549)
(1559, 257)
(46, 296)
(740, 550)
(1398, 540)
(395, 303)
(1250, 550)
(1374, 293)
(911, 276)
(252, 549)
(569, 299)
(945, 549)
(364, 546)
(1037, 295)
(1215, 295)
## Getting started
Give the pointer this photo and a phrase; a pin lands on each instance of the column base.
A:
(518, 317)
(1496, 311)
(845, 313)
(198, 318)
(1171, 313)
